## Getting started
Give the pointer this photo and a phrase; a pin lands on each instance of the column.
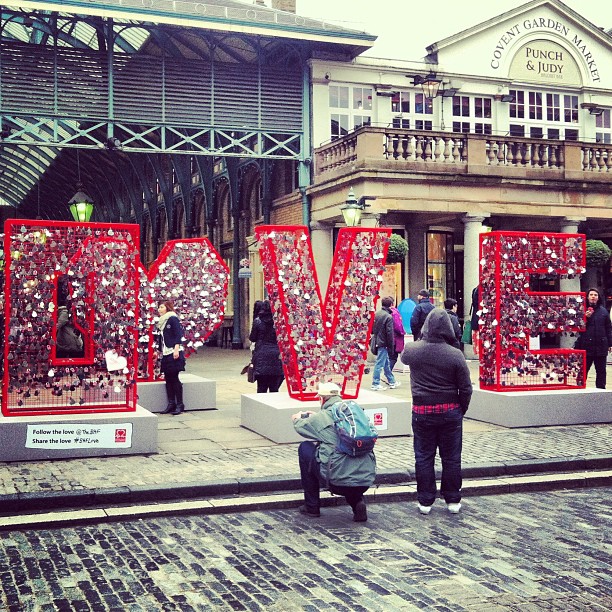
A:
(569, 225)
(322, 241)
(471, 265)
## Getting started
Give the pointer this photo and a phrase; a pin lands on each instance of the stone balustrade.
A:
(463, 153)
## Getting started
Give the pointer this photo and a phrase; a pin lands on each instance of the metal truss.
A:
(29, 130)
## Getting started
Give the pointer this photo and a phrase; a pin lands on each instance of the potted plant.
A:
(398, 248)
(597, 255)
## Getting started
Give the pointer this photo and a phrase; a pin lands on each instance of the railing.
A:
(461, 153)
(523, 152)
(425, 146)
(597, 158)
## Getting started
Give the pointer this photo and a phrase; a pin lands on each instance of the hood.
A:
(599, 300)
(265, 317)
(438, 327)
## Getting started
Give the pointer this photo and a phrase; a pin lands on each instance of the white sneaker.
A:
(424, 509)
(378, 388)
(454, 508)
(395, 385)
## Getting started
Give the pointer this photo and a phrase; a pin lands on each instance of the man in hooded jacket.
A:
(441, 393)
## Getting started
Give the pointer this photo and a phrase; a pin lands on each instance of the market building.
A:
(506, 125)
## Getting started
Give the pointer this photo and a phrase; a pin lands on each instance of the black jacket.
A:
(382, 331)
(266, 356)
(173, 333)
(456, 327)
(419, 314)
(597, 338)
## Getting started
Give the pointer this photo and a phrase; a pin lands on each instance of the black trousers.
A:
(600, 369)
(269, 383)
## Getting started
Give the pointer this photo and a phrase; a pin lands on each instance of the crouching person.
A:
(323, 458)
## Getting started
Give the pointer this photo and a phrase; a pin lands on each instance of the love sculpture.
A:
(322, 341)
(510, 313)
(111, 296)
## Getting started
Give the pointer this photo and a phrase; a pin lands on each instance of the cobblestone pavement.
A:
(544, 551)
(211, 445)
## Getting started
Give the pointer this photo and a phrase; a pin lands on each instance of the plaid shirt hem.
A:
(435, 408)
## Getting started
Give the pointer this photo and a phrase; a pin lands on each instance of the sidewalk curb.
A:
(145, 494)
(291, 500)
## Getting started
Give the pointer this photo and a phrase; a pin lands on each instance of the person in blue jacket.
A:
(173, 357)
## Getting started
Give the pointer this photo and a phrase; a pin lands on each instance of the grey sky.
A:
(405, 27)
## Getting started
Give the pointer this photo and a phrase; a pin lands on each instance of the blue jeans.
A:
(309, 473)
(444, 432)
(382, 363)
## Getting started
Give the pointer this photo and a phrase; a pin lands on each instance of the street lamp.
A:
(429, 84)
(352, 210)
(81, 205)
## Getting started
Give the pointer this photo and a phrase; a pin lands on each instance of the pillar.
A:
(471, 264)
(322, 241)
(569, 225)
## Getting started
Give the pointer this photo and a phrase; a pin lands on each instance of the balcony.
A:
(415, 151)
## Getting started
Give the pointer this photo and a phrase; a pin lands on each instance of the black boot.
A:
(171, 407)
(178, 393)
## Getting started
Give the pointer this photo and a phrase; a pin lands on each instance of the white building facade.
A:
(518, 137)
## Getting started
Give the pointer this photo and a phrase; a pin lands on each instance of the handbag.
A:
(466, 337)
(373, 346)
(249, 370)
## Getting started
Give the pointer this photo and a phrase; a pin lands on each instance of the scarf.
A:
(161, 324)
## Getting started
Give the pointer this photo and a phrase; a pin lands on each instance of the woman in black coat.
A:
(173, 357)
(267, 365)
(596, 340)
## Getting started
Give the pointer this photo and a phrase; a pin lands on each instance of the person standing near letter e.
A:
(596, 339)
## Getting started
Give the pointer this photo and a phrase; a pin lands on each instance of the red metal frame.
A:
(100, 262)
(322, 341)
(191, 274)
(509, 313)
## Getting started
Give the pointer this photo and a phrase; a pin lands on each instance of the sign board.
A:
(60, 436)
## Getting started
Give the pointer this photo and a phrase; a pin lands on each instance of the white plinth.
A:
(269, 414)
(198, 394)
(14, 435)
(538, 408)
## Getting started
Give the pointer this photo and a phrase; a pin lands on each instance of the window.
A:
(544, 109)
(535, 105)
(440, 279)
(362, 99)
(398, 122)
(423, 105)
(400, 102)
(602, 123)
(476, 107)
(339, 125)
(345, 116)
(461, 126)
(483, 128)
(423, 125)
(517, 108)
(536, 132)
(553, 112)
(482, 108)
(461, 106)
(570, 109)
